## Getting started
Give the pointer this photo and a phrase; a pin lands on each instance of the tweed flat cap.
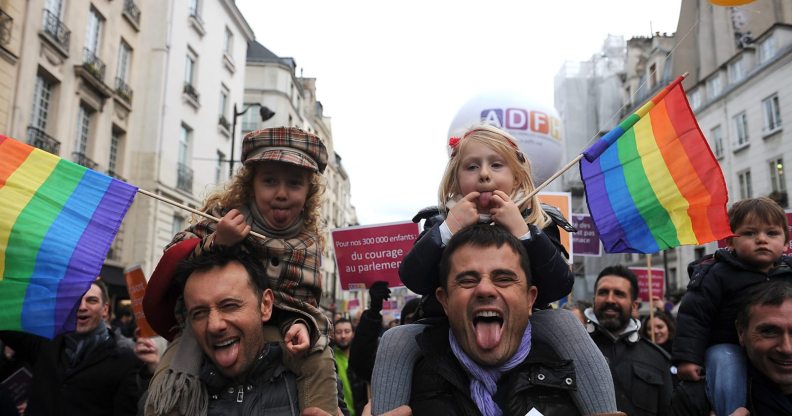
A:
(285, 144)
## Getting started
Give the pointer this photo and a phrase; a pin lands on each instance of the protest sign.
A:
(136, 286)
(562, 201)
(585, 239)
(658, 282)
(367, 254)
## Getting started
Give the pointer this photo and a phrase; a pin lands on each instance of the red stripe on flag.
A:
(12, 155)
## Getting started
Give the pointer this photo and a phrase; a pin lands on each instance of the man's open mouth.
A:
(488, 327)
(226, 352)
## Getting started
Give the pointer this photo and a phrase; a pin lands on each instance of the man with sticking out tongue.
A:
(482, 360)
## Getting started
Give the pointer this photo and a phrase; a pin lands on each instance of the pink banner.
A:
(367, 254)
(658, 283)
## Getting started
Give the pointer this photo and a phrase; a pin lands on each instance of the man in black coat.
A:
(640, 369)
(482, 359)
(84, 372)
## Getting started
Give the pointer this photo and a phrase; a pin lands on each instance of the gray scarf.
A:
(260, 225)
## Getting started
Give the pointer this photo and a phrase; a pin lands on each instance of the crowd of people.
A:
(237, 302)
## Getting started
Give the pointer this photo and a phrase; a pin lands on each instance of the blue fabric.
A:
(727, 378)
(484, 380)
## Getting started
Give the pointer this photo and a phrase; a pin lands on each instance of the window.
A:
(736, 71)
(695, 98)
(777, 178)
(194, 7)
(189, 68)
(772, 113)
(714, 86)
(652, 75)
(744, 179)
(178, 224)
(54, 6)
(184, 145)
(94, 32)
(223, 109)
(229, 41)
(251, 118)
(741, 127)
(124, 59)
(716, 139)
(41, 103)
(767, 49)
(83, 129)
(112, 164)
(219, 167)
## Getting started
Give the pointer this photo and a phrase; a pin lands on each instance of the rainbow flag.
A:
(652, 183)
(57, 221)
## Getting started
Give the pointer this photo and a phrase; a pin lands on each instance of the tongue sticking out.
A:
(484, 199)
(227, 356)
(488, 334)
(280, 215)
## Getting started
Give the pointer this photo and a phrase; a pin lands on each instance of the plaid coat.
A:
(292, 267)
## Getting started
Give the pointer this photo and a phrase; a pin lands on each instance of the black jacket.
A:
(269, 389)
(709, 308)
(104, 383)
(640, 369)
(363, 349)
(441, 387)
(550, 271)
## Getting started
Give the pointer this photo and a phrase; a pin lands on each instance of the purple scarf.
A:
(484, 380)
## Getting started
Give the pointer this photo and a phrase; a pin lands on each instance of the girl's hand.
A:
(464, 213)
(297, 339)
(231, 229)
(507, 214)
(689, 371)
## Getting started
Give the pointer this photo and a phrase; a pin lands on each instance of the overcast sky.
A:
(392, 75)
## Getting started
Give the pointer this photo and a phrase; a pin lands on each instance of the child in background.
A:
(487, 180)
(706, 335)
(277, 193)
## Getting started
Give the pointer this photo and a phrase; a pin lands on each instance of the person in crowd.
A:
(277, 194)
(577, 309)
(124, 322)
(82, 372)
(764, 329)
(363, 348)
(706, 340)
(355, 392)
(226, 303)
(483, 359)
(487, 180)
(640, 369)
(660, 329)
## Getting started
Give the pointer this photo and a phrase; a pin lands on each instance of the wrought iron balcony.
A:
(38, 138)
(82, 159)
(111, 173)
(190, 90)
(123, 90)
(132, 11)
(224, 122)
(93, 64)
(56, 30)
(184, 178)
(6, 23)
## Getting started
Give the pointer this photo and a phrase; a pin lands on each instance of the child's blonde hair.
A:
(239, 191)
(763, 209)
(506, 146)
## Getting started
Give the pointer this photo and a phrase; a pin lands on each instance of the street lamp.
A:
(265, 113)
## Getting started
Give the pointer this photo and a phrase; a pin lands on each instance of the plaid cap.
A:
(285, 144)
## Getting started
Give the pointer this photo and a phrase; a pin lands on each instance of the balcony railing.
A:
(56, 30)
(132, 11)
(82, 159)
(190, 90)
(123, 90)
(38, 138)
(6, 23)
(93, 64)
(184, 178)
(224, 122)
(111, 173)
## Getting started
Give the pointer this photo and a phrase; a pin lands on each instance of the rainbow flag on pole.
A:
(652, 183)
(57, 221)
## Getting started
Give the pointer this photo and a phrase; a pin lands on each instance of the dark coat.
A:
(104, 383)
(709, 308)
(550, 272)
(363, 350)
(441, 387)
(641, 372)
(269, 389)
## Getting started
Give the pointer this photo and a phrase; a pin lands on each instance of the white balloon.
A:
(537, 128)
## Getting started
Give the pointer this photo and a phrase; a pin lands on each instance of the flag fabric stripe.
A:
(29, 176)
(57, 221)
(709, 173)
(663, 186)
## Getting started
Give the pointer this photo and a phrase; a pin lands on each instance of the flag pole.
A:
(186, 208)
(651, 300)
(574, 161)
